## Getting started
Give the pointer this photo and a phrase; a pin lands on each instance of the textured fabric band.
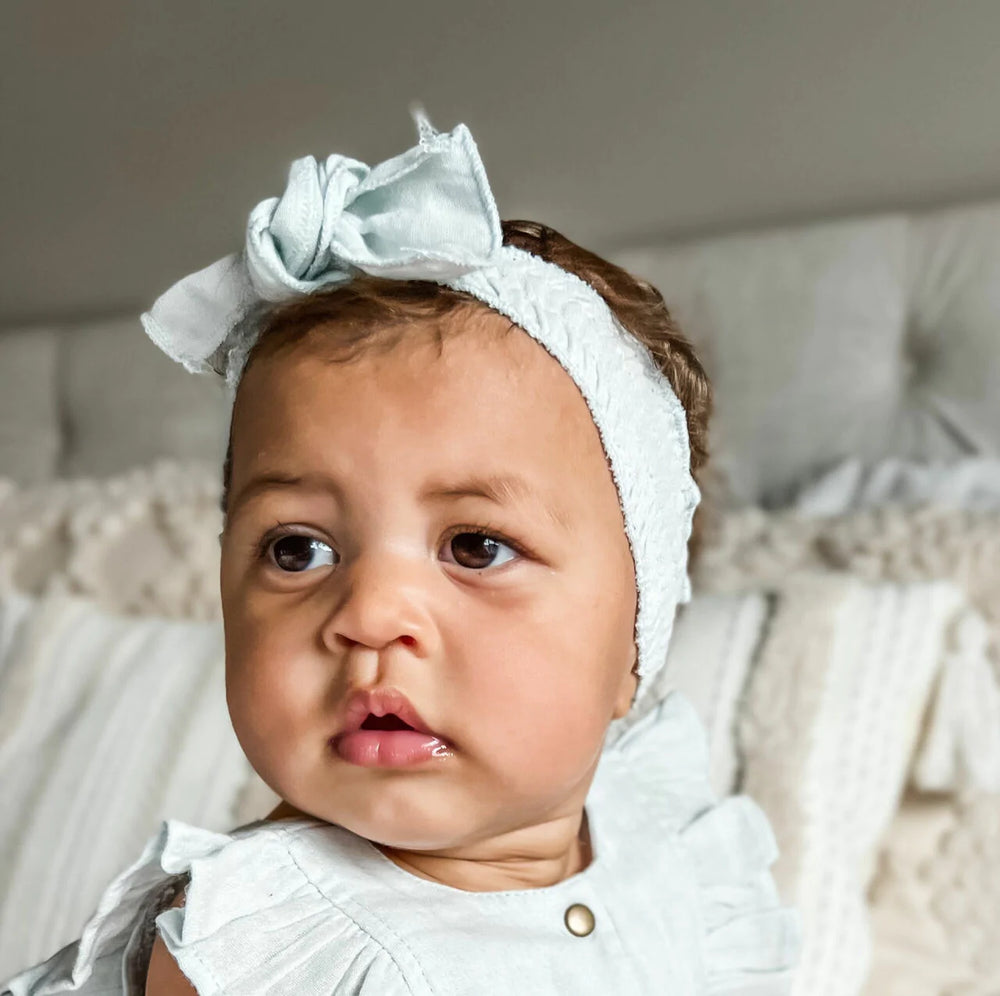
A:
(642, 425)
(429, 214)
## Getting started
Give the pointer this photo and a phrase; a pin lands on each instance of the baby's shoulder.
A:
(226, 913)
(253, 919)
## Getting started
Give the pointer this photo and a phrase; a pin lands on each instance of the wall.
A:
(138, 134)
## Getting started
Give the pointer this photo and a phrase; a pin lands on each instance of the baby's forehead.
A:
(474, 383)
(503, 374)
(466, 355)
(483, 397)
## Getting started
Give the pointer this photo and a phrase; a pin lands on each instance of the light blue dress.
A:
(679, 900)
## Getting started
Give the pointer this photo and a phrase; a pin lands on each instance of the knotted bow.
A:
(426, 214)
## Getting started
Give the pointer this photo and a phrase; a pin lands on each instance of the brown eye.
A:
(295, 554)
(478, 551)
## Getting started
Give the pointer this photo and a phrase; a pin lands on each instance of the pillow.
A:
(108, 725)
(832, 713)
(753, 548)
(935, 897)
(711, 651)
(750, 548)
(971, 482)
(142, 542)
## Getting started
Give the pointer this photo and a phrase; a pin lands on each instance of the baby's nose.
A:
(382, 599)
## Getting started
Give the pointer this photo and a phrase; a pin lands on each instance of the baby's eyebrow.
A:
(501, 489)
(268, 482)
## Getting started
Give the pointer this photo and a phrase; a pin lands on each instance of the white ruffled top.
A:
(679, 887)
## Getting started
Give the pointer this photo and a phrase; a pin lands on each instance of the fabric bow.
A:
(426, 214)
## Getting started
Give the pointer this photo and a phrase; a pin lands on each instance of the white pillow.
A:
(711, 652)
(14, 609)
(108, 725)
(753, 548)
(935, 898)
(145, 542)
(971, 482)
(832, 715)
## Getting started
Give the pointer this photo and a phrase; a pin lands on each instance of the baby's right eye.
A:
(294, 553)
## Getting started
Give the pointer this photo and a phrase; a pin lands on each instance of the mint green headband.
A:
(429, 214)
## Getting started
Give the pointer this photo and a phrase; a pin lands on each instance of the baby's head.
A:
(459, 489)
(417, 498)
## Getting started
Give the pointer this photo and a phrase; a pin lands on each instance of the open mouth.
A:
(388, 740)
(390, 721)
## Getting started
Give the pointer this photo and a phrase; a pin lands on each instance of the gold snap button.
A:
(579, 920)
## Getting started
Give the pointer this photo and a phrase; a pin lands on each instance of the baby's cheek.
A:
(538, 714)
(268, 696)
(270, 728)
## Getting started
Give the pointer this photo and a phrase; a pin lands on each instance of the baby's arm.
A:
(164, 978)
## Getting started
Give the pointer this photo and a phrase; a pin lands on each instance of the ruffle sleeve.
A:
(252, 922)
(751, 942)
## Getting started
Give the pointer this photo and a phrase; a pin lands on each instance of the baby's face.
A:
(515, 647)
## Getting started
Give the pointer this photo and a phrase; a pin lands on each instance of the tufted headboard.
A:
(98, 398)
(870, 337)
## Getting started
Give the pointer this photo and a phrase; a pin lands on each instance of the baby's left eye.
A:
(477, 551)
(294, 553)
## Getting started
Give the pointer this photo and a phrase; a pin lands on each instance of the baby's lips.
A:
(382, 702)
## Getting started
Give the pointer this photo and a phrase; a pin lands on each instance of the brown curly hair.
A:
(374, 312)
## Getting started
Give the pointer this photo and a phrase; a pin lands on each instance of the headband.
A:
(429, 214)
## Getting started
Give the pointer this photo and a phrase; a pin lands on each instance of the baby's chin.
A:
(440, 835)
(442, 827)
(445, 817)
(378, 834)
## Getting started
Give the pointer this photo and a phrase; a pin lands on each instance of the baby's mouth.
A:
(384, 710)
(388, 741)
(390, 721)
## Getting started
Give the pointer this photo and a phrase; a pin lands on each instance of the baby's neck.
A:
(531, 858)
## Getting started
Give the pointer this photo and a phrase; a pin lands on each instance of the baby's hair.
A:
(373, 313)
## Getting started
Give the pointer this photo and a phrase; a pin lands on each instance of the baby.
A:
(458, 497)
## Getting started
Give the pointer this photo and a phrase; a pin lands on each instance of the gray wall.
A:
(138, 135)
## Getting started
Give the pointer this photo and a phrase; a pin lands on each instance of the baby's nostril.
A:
(390, 721)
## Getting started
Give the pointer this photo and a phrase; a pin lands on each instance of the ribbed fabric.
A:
(828, 730)
(715, 641)
(81, 690)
